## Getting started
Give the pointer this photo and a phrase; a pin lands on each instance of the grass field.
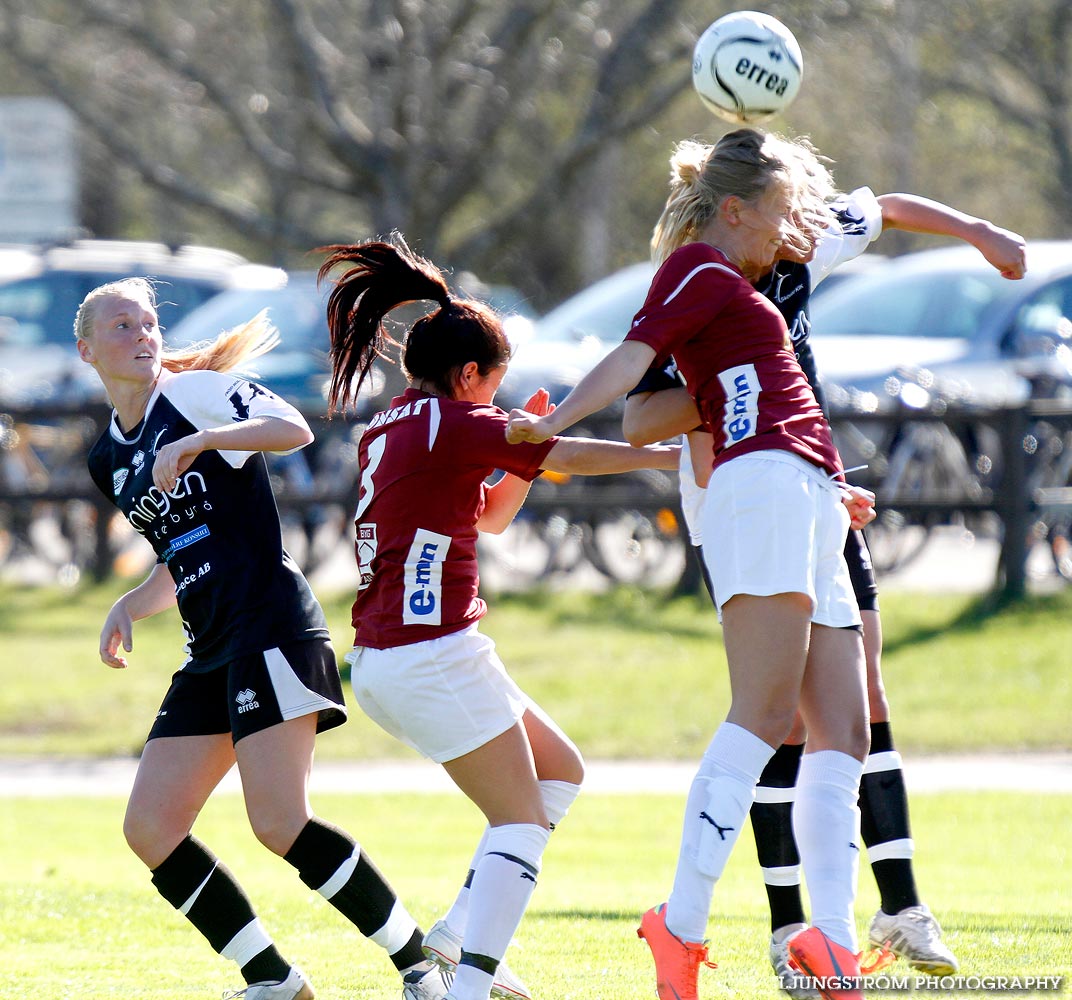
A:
(79, 919)
(626, 673)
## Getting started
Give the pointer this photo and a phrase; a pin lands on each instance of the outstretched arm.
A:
(595, 457)
(614, 376)
(1001, 248)
(656, 416)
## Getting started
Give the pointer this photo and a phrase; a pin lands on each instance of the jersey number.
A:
(368, 488)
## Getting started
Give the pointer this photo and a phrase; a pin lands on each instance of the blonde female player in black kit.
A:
(774, 522)
(903, 923)
(182, 458)
(421, 668)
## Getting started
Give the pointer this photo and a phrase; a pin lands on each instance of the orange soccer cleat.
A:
(677, 962)
(834, 970)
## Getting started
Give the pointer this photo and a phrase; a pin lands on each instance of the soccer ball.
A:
(747, 67)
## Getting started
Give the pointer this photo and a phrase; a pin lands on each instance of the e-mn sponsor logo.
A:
(741, 411)
(423, 594)
(119, 478)
(246, 701)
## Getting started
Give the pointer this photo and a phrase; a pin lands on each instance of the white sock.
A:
(557, 797)
(826, 824)
(716, 808)
(458, 914)
(504, 880)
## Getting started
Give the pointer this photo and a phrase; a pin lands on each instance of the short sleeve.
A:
(855, 223)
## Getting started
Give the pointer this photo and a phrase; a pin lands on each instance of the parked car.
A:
(563, 345)
(560, 347)
(42, 286)
(298, 369)
(944, 322)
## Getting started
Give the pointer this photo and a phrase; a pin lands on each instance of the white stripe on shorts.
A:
(295, 699)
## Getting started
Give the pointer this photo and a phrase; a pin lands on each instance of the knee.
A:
(572, 768)
(858, 739)
(277, 831)
(153, 836)
(773, 723)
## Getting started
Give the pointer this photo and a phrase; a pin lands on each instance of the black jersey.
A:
(855, 221)
(218, 530)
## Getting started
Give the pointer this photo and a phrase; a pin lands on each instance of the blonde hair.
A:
(745, 163)
(229, 351)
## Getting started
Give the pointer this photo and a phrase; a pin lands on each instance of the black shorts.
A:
(861, 572)
(254, 692)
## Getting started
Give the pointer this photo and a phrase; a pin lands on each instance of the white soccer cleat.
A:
(791, 982)
(444, 947)
(915, 936)
(432, 983)
(294, 987)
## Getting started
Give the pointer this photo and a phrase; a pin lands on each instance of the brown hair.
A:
(381, 276)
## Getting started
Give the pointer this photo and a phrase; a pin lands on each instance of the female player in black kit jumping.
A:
(182, 458)
(853, 222)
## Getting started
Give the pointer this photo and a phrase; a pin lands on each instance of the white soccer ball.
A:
(747, 67)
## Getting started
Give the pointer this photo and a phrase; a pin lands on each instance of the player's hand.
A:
(525, 426)
(118, 628)
(860, 504)
(173, 460)
(1004, 250)
(539, 403)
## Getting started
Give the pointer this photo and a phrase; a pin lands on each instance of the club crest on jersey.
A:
(422, 598)
(138, 461)
(740, 413)
(367, 545)
(119, 478)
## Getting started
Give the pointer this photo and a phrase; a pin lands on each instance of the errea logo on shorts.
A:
(741, 411)
(246, 701)
(423, 595)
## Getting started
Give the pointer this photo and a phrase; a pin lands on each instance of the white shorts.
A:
(775, 524)
(444, 697)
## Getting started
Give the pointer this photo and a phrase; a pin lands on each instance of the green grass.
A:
(79, 918)
(626, 673)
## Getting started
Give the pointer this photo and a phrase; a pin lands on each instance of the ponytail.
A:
(379, 277)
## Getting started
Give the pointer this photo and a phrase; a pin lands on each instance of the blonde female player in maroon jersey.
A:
(421, 668)
(777, 510)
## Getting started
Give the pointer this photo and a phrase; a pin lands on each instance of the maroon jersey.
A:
(424, 462)
(730, 344)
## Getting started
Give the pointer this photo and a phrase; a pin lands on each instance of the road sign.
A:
(38, 170)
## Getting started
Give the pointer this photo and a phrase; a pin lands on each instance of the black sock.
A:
(193, 881)
(329, 861)
(884, 822)
(772, 825)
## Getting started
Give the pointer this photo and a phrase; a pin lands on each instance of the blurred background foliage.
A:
(524, 140)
